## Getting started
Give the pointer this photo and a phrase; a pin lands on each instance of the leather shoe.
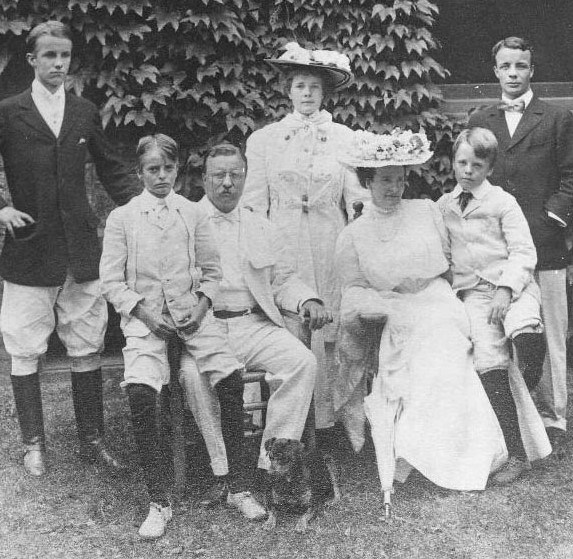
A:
(510, 471)
(96, 452)
(217, 493)
(247, 505)
(154, 525)
(558, 439)
(35, 461)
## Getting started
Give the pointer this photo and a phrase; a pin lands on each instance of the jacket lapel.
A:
(498, 125)
(30, 115)
(530, 119)
(72, 113)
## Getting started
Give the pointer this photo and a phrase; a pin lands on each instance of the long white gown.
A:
(295, 179)
(421, 358)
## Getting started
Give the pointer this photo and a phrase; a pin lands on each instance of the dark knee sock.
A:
(496, 385)
(143, 405)
(230, 392)
(530, 349)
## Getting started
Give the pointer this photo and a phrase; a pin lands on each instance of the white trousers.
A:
(291, 374)
(28, 318)
(551, 392)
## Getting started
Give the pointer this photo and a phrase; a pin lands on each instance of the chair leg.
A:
(309, 433)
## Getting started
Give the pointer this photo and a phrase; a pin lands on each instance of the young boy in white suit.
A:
(492, 257)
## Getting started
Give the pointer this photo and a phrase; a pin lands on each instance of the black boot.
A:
(230, 392)
(146, 431)
(497, 388)
(530, 349)
(87, 394)
(29, 406)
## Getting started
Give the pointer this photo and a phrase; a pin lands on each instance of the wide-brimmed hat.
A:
(399, 147)
(334, 64)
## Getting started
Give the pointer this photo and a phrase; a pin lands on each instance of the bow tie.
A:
(464, 199)
(231, 216)
(512, 106)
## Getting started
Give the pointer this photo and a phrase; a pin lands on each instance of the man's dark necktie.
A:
(464, 199)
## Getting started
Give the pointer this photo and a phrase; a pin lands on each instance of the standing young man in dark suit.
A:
(51, 254)
(535, 164)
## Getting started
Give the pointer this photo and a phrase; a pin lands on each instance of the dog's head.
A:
(286, 455)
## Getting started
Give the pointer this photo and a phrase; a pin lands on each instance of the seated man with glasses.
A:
(256, 286)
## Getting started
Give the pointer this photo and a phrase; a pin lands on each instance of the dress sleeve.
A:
(256, 195)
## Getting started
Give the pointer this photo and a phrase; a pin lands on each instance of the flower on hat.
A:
(399, 147)
(295, 53)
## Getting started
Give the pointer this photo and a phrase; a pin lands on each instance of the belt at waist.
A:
(234, 314)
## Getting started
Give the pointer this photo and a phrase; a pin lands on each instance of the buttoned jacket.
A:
(271, 280)
(119, 266)
(536, 166)
(489, 240)
(46, 179)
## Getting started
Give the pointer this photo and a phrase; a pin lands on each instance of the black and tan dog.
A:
(301, 482)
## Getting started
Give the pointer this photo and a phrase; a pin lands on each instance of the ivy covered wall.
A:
(195, 68)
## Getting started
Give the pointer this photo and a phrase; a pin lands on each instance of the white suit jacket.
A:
(119, 267)
(271, 281)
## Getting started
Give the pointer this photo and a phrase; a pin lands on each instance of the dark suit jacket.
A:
(536, 166)
(46, 179)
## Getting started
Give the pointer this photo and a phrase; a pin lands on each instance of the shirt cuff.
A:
(557, 219)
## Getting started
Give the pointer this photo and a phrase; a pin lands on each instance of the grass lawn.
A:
(78, 511)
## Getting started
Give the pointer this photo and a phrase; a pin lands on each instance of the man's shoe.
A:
(95, 452)
(247, 505)
(217, 493)
(35, 461)
(510, 471)
(558, 439)
(154, 525)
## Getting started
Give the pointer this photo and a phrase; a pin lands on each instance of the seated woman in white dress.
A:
(402, 324)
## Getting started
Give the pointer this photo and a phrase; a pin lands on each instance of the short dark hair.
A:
(481, 140)
(327, 81)
(165, 144)
(51, 28)
(225, 149)
(518, 43)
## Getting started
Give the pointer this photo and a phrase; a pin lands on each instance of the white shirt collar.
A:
(40, 90)
(526, 97)
(212, 211)
(150, 202)
(478, 192)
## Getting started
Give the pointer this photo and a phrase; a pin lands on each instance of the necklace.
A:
(388, 223)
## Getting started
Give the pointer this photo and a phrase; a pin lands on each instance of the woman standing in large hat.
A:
(295, 179)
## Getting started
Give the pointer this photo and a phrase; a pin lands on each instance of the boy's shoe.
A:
(217, 493)
(510, 471)
(154, 525)
(247, 505)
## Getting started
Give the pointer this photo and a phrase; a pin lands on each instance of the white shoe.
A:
(154, 525)
(247, 505)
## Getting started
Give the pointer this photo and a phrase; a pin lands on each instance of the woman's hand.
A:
(315, 314)
(196, 317)
(153, 321)
(499, 305)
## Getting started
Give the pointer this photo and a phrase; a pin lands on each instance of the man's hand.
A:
(499, 305)
(11, 219)
(196, 317)
(315, 314)
(153, 321)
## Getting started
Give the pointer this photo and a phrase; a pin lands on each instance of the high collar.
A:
(38, 89)
(150, 202)
(298, 120)
(526, 97)
(478, 192)
(213, 212)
